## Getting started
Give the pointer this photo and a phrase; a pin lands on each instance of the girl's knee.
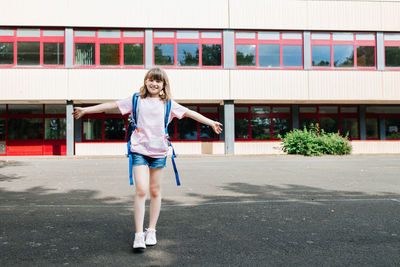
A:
(155, 191)
(141, 193)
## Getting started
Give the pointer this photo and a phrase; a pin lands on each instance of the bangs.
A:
(156, 74)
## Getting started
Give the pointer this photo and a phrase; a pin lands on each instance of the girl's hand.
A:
(216, 126)
(78, 112)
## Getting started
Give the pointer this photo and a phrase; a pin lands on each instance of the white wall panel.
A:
(254, 148)
(391, 85)
(390, 16)
(123, 13)
(199, 84)
(375, 147)
(345, 85)
(33, 84)
(269, 84)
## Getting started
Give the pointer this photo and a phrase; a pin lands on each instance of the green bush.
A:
(314, 142)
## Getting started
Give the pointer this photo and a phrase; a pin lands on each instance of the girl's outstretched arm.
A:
(215, 125)
(79, 112)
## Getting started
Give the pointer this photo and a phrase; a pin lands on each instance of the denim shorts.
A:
(139, 159)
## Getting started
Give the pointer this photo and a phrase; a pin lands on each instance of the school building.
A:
(260, 67)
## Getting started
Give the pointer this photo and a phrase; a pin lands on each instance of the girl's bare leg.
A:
(141, 174)
(155, 195)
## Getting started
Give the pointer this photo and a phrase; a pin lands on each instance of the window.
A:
(343, 50)
(269, 49)
(331, 118)
(188, 49)
(191, 130)
(392, 50)
(261, 122)
(391, 116)
(104, 127)
(31, 47)
(109, 48)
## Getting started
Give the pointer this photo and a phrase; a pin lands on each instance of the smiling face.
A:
(154, 87)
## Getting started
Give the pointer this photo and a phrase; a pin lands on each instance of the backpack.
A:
(133, 127)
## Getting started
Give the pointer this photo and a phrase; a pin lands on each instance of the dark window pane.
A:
(171, 129)
(54, 109)
(261, 128)
(321, 55)
(206, 132)
(92, 129)
(372, 128)
(329, 125)
(245, 55)
(54, 128)
(6, 53)
(349, 126)
(328, 109)
(348, 109)
(392, 56)
(260, 110)
(2, 108)
(269, 55)
(241, 109)
(164, 54)
(188, 54)
(365, 56)
(280, 126)
(384, 109)
(114, 128)
(281, 109)
(241, 128)
(308, 109)
(187, 129)
(211, 54)
(84, 54)
(28, 53)
(53, 53)
(306, 122)
(2, 129)
(109, 54)
(343, 55)
(292, 56)
(392, 128)
(25, 129)
(133, 54)
(25, 109)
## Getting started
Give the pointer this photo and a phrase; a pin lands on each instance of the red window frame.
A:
(354, 43)
(175, 41)
(210, 115)
(42, 39)
(338, 115)
(390, 43)
(248, 115)
(281, 42)
(102, 117)
(121, 40)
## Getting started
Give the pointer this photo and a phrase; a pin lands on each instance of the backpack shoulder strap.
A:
(167, 111)
(135, 105)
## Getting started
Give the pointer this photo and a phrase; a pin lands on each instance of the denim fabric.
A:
(139, 159)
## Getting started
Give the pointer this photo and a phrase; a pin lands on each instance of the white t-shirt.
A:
(149, 139)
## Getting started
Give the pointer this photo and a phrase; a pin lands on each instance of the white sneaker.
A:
(139, 240)
(150, 236)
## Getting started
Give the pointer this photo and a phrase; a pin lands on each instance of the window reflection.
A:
(306, 123)
(188, 55)
(28, 53)
(84, 54)
(280, 127)
(187, 129)
(211, 55)
(261, 128)
(392, 56)
(269, 55)
(92, 129)
(2, 129)
(241, 128)
(343, 55)
(109, 54)
(25, 129)
(365, 56)
(114, 128)
(329, 125)
(164, 54)
(392, 128)
(245, 55)
(53, 53)
(321, 55)
(133, 54)
(349, 126)
(292, 56)
(372, 128)
(54, 128)
(6, 53)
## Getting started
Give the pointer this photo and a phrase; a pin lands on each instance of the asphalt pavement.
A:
(229, 211)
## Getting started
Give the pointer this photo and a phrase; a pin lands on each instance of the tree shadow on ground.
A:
(9, 177)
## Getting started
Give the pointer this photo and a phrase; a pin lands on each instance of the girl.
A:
(149, 145)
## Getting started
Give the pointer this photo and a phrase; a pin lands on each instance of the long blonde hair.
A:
(157, 74)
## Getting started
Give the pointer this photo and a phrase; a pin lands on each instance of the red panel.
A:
(24, 148)
(54, 147)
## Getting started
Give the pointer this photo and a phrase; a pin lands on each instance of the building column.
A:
(382, 128)
(380, 51)
(229, 127)
(295, 116)
(363, 124)
(307, 49)
(148, 41)
(229, 49)
(70, 128)
(69, 47)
